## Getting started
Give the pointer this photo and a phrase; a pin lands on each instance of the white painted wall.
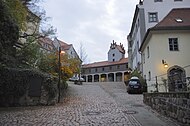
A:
(162, 8)
(159, 49)
(136, 56)
(117, 57)
(72, 53)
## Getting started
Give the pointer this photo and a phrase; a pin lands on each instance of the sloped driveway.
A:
(90, 104)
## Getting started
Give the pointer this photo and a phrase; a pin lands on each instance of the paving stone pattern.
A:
(84, 105)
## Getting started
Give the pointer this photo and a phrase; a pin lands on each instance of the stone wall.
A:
(26, 87)
(175, 105)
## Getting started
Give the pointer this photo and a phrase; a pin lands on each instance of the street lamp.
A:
(59, 62)
(164, 63)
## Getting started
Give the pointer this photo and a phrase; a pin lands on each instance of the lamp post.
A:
(59, 74)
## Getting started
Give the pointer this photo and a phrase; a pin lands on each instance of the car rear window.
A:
(134, 82)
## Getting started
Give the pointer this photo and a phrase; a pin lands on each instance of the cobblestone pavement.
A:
(134, 105)
(101, 104)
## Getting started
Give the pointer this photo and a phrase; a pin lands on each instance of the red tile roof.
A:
(64, 45)
(121, 49)
(105, 63)
(46, 40)
(170, 21)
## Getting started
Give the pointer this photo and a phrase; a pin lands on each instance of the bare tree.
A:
(36, 16)
(82, 53)
(82, 56)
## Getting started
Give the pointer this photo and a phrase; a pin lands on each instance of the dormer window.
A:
(178, 20)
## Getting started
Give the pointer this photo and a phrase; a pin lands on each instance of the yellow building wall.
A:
(159, 50)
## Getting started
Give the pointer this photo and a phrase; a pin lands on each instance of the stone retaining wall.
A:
(175, 105)
(26, 87)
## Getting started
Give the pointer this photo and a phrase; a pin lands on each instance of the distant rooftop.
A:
(105, 63)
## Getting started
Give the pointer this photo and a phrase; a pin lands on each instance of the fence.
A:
(174, 80)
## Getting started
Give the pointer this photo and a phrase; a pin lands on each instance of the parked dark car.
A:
(134, 85)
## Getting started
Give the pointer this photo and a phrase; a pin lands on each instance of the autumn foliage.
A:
(49, 63)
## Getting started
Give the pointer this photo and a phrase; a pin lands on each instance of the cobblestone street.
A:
(100, 104)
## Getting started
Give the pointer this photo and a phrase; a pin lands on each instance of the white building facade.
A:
(165, 49)
(147, 14)
(68, 48)
(115, 69)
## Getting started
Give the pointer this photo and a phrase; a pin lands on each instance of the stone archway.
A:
(111, 77)
(176, 79)
(84, 78)
(96, 78)
(103, 78)
(119, 77)
(89, 78)
(126, 76)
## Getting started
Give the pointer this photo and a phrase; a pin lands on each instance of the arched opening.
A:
(176, 79)
(118, 77)
(103, 78)
(84, 78)
(96, 78)
(111, 77)
(89, 78)
(126, 76)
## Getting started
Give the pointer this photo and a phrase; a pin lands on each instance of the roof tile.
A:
(105, 63)
(170, 19)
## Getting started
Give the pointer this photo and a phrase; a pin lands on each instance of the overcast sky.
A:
(95, 23)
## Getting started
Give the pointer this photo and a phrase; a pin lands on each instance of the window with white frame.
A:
(173, 44)
(153, 17)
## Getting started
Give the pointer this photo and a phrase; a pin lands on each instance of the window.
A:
(138, 45)
(148, 52)
(173, 44)
(143, 56)
(89, 70)
(149, 75)
(103, 69)
(96, 69)
(158, 0)
(118, 66)
(113, 60)
(113, 55)
(110, 67)
(153, 17)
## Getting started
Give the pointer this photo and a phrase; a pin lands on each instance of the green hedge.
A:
(14, 83)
